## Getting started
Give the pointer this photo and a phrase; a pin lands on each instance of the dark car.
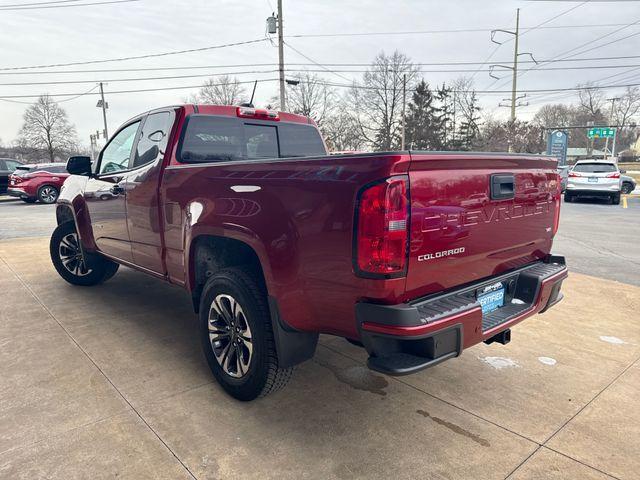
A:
(628, 183)
(38, 182)
(7, 167)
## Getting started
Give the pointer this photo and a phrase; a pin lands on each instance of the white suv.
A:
(594, 178)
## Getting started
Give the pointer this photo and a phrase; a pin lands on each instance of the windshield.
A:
(595, 168)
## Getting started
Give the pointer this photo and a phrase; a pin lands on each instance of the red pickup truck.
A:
(413, 255)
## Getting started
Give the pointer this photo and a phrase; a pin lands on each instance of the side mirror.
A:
(623, 171)
(79, 165)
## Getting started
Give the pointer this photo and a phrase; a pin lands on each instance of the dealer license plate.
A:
(491, 298)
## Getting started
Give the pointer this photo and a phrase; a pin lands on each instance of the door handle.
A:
(116, 190)
(503, 186)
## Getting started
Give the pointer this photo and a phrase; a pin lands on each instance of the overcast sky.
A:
(63, 35)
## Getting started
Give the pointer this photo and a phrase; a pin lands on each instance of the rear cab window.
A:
(210, 138)
(595, 167)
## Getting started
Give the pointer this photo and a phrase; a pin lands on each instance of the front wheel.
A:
(237, 337)
(72, 264)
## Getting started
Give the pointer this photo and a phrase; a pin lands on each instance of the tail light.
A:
(382, 229)
(573, 174)
(259, 113)
(556, 216)
(613, 175)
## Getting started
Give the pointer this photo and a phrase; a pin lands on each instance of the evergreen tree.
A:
(423, 120)
(447, 127)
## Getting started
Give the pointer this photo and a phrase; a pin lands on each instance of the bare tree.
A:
(46, 127)
(625, 114)
(498, 136)
(466, 108)
(341, 132)
(377, 103)
(591, 99)
(223, 90)
(554, 115)
(311, 97)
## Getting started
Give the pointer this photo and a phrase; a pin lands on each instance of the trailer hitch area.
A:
(503, 337)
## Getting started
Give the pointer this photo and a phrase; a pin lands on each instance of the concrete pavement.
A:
(109, 382)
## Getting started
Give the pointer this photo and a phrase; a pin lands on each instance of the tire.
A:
(48, 194)
(245, 369)
(29, 200)
(627, 188)
(568, 198)
(66, 256)
(615, 199)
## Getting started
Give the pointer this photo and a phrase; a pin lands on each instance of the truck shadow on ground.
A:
(143, 334)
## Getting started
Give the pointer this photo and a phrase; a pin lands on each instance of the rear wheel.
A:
(72, 264)
(568, 197)
(237, 337)
(48, 194)
(615, 199)
(627, 188)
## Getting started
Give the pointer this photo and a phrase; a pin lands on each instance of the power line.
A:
(453, 30)
(59, 101)
(141, 90)
(362, 87)
(137, 57)
(564, 55)
(3, 9)
(314, 62)
(137, 79)
(244, 65)
(37, 3)
(290, 70)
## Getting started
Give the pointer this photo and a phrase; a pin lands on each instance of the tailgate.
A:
(463, 229)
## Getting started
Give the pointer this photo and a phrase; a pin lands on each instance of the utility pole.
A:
(615, 134)
(104, 112)
(513, 103)
(404, 108)
(515, 68)
(281, 57)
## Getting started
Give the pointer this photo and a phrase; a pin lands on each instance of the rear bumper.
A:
(17, 192)
(402, 339)
(593, 189)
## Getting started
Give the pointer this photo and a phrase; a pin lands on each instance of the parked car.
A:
(277, 241)
(7, 167)
(628, 183)
(594, 178)
(39, 182)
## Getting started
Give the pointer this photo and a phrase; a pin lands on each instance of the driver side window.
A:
(116, 155)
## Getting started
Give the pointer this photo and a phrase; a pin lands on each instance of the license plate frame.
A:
(491, 297)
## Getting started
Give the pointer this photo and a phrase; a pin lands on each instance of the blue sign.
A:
(557, 146)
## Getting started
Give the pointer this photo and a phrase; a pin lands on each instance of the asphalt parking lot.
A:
(109, 381)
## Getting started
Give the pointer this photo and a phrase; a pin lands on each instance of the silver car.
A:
(594, 178)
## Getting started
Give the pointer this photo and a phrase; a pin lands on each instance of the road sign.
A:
(601, 132)
(557, 146)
